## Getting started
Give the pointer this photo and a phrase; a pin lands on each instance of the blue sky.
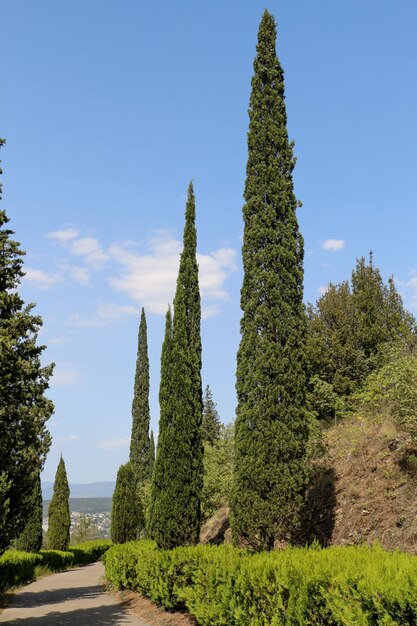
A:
(110, 107)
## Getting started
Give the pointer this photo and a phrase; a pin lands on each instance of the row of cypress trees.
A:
(271, 426)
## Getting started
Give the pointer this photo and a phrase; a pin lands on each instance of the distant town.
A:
(88, 515)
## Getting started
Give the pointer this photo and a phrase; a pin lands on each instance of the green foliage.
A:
(218, 472)
(17, 568)
(145, 497)
(84, 530)
(127, 519)
(24, 409)
(392, 391)
(59, 520)
(211, 425)
(140, 442)
(271, 431)
(178, 472)
(151, 454)
(351, 331)
(225, 586)
(31, 538)
(322, 399)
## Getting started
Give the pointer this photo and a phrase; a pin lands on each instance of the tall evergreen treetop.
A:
(178, 473)
(127, 518)
(271, 428)
(140, 442)
(24, 409)
(211, 426)
(59, 520)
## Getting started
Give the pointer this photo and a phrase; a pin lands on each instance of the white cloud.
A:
(63, 236)
(90, 249)
(65, 375)
(41, 279)
(322, 289)
(333, 244)
(105, 315)
(66, 438)
(110, 444)
(151, 278)
(80, 275)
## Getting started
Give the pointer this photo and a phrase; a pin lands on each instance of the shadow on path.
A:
(96, 616)
(56, 596)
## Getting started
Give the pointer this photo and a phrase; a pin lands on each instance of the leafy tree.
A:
(178, 472)
(84, 530)
(127, 514)
(31, 538)
(24, 409)
(351, 332)
(59, 519)
(151, 454)
(140, 443)
(218, 472)
(271, 429)
(391, 391)
(211, 426)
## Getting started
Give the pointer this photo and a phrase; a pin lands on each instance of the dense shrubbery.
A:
(392, 391)
(17, 567)
(227, 586)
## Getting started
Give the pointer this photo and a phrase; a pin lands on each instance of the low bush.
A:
(226, 586)
(17, 568)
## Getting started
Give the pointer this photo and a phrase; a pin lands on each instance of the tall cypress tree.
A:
(178, 474)
(59, 520)
(271, 427)
(162, 463)
(140, 442)
(127, 516)
(152, 454)
(31, 538)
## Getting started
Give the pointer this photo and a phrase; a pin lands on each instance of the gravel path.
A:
(71, 598)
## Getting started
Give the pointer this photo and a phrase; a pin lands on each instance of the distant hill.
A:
(84, 505)
(81, 490)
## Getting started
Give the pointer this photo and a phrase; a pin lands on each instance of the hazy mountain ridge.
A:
(82, 490)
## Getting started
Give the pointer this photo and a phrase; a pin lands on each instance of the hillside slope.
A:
(365, 489)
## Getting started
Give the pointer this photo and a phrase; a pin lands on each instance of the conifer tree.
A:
(211, 426)
(31, 538)
(127, 513)
(24, 409)
(59, 520)
(271, 431)
(178, 473)
(140, 443)
(151, 454)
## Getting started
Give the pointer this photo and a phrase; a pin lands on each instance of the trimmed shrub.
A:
(17, 568)
(226, 586)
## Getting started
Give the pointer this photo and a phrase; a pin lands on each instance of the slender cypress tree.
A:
(271, 427)
(140, 442)
(152, 455)
(211, 426)
(159, 480)
(31, 538)
(59, 512)
(178, 475)
(127, 513)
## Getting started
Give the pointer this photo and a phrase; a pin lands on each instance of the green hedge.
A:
(17, 568)
(225, 586)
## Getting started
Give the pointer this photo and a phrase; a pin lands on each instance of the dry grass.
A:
(154, 615)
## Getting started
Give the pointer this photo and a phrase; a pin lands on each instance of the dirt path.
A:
(71, 598)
